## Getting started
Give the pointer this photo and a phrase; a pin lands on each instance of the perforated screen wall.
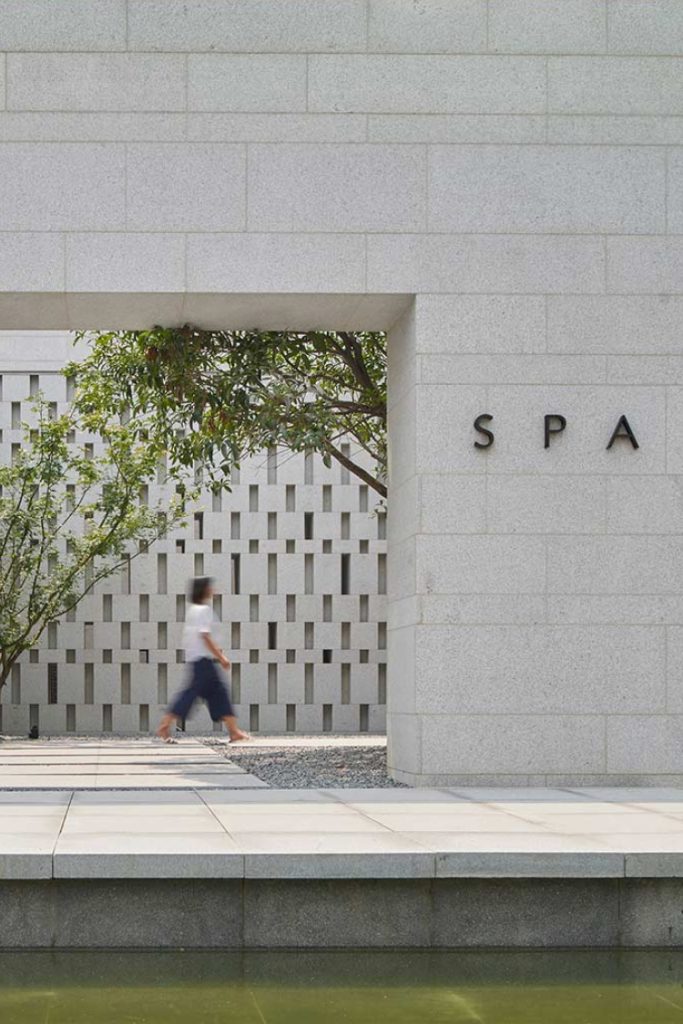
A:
(298, 552)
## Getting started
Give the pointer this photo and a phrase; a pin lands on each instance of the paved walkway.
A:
(138, 809)
(141, 809)
(118, 764)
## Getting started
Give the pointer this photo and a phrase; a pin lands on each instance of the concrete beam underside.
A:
(72, 311)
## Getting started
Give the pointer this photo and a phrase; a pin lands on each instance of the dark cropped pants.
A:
(205, 684)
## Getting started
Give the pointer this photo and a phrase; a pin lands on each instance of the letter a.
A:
(623, 429)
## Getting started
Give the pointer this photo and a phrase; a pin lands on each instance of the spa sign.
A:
(553, 423)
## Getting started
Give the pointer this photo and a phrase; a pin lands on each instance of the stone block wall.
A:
(499, 183)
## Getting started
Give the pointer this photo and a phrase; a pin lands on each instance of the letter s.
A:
(488, 434)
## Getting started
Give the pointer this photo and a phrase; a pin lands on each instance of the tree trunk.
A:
(6, 668)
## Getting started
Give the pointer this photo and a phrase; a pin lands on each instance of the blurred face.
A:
(208, 594)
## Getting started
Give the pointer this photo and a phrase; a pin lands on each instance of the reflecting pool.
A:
(356, 987)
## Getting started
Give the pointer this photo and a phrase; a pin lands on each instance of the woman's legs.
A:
(214, 690)
(182, 703)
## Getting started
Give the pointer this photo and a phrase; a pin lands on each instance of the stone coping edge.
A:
(274, 865)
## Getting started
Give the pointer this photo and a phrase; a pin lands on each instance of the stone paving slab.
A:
(150, 854)
(104, 758)
(30, 825)
(318, 854)
(85, 781)
(23, 855)
(183, 780)
(29, 803)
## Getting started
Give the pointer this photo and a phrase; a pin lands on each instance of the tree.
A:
(212, 397)
(69, 518)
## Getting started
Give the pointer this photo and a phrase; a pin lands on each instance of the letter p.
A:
(553, 424)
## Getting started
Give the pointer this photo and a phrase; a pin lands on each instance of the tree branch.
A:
(358, 471)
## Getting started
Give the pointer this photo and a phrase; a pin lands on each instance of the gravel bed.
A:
(314, 768)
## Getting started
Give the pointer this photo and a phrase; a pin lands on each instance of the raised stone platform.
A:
(200, 863)
(344, 833)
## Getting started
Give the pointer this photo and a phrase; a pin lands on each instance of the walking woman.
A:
(204, 681)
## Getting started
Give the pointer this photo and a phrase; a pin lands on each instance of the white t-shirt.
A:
(198, 622)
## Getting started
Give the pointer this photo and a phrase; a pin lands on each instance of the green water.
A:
(359, 987)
